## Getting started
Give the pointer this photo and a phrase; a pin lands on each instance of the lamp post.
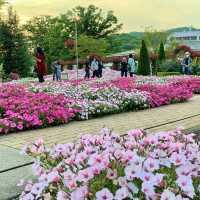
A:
(76, 19)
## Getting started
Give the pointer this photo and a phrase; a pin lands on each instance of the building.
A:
(190, 38)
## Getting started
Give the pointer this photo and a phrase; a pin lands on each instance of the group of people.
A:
(93, 68)
(128, 66)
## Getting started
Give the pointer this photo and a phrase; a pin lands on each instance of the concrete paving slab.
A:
(10, 157)
(9, 181)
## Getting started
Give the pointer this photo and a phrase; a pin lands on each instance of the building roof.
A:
(186, 34)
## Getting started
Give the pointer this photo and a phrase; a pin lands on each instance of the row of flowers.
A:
(138, 166)
(94, 97)
(33, 105)
(20, 109)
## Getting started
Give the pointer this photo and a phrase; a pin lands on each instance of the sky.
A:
(134, 14)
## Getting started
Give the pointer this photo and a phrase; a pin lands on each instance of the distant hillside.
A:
(136, 34)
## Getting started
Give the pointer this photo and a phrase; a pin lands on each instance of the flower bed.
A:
(20, 109)
(164, 166)
(96, 99)
(91, 98)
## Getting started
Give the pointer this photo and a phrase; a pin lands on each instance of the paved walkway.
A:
(163, 118)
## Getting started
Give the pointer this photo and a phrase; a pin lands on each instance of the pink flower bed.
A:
(166, 94)
(38, 105)
(173, 91)
(20, 109)
(139, 166)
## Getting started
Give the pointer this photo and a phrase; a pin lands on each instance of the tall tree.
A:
(15, 55)
(161, 53)
(153, 38)
(50, 34)
(92, 21)
(144, 62)
(88, 45)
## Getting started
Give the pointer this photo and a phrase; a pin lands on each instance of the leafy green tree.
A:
(153, 38)
(92, 21)
(13, 48)
(144, 62)
(161, 54)
(123, 42)
(50, 34)
(89, 45)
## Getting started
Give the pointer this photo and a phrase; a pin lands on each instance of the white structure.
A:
(125, 53)
(189, 38)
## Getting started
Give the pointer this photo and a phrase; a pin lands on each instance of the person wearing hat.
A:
(186, 64)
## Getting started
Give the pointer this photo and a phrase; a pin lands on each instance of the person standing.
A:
(186, 64)
(57, 70)
(94, 67)
(40, 64)
(131, 65)
(124, 67)
(87, 68)
(100, 68)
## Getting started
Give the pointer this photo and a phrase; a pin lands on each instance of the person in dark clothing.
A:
(87, 68)
(186, 64)
(124, 67)
(40, 64)
(100, 68)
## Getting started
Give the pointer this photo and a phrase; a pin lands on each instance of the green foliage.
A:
(49, 33)
(92, 21)
(170, 66)
(123, 42)
(144, 62)
(168, 73)
(14, 51)
(153, 38)
(89, 45)
(161, 54)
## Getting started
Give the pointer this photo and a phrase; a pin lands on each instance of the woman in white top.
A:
(131, 65)
(94, 68)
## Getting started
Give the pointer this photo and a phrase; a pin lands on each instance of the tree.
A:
(89, 45)
(153, 38)
(144, 62)
(14, 51)
(123, 42)
(50, 34)
(161, 54)
(92, 22)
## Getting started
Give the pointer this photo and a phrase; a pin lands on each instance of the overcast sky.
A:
(134, 14)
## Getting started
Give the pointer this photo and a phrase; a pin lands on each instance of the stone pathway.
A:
(163, 118)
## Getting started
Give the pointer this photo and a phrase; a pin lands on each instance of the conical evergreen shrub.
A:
(144, 61)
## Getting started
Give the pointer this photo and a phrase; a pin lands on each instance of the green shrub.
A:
(170, 66)
(168, 73)
(144, 61)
